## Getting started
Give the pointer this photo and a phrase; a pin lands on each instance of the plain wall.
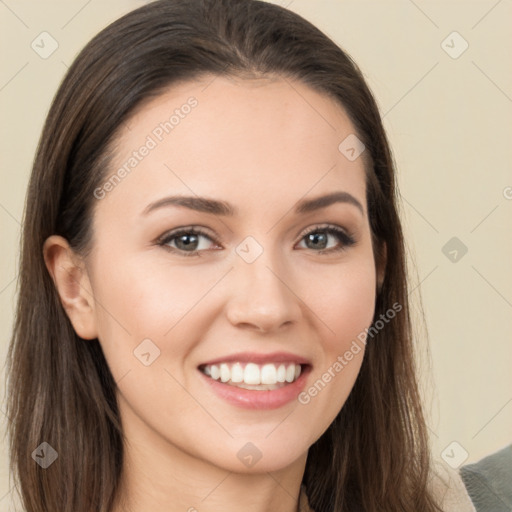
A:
(449, 124)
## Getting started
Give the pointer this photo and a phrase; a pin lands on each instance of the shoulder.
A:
(449, 490)
(446, 485)
(489, 481)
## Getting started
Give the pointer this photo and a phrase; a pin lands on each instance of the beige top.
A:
(448, 487)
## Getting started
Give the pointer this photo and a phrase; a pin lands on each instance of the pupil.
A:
(314, 237)
(185, 240)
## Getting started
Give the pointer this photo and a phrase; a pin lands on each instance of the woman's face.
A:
(254, 287)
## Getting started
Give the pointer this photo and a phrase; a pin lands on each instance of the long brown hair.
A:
(374, 456)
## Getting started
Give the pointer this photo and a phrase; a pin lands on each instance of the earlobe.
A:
(73, 286)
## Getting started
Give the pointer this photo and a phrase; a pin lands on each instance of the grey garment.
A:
(489, 481)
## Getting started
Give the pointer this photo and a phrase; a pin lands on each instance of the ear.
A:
(381, 265)
(73, 286)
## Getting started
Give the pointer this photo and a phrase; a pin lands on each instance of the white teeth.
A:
(237, 373)
(268, 374)
(253, 376)
(214, 372)
(225, 374)
(290, 373)
(281, 373)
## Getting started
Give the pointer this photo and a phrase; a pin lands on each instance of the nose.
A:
(262, 298)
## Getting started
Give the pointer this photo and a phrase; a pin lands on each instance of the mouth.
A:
(266, 377)
(253, 381)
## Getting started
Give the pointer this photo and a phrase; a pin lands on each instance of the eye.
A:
(318, 238)
(186, 241)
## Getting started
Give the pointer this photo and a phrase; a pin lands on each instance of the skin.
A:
(261, 145)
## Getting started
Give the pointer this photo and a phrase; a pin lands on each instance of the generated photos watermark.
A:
(343, 360)
(157, 135)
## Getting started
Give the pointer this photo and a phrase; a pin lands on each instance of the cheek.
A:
(345, 302)
(136, 303)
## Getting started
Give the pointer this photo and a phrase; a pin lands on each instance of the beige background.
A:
(449, 122)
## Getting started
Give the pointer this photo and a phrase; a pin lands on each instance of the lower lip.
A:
(258, 399)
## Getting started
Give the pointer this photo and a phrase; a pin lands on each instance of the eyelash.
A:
(346, 239)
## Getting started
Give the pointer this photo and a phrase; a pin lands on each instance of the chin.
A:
(262, 455)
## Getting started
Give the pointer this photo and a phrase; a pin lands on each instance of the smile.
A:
(253, 376)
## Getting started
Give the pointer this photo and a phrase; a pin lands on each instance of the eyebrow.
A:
(222, 208)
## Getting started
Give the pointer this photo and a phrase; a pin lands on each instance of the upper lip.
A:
(258, 358)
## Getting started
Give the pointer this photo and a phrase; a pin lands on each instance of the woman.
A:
(213, 303)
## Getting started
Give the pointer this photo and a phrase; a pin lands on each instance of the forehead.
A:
(265, 140)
